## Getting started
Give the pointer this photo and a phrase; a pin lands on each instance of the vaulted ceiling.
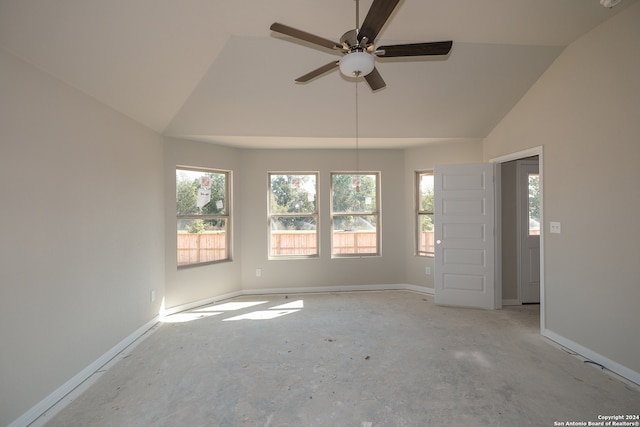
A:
(211, 70)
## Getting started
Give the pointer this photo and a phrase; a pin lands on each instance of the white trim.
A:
(530, 152)
(199, 303)
(497, 236)
(591, 355)
(511, 302)
(419, 289)
(53, 403)
(346, 288)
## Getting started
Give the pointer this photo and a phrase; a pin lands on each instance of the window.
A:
(355, 216)
(424, 213)
(293, 214)
(202, 210)
(534, 204)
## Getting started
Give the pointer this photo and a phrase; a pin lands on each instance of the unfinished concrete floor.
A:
(364, 359)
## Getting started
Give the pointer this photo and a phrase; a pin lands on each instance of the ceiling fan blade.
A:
(374, 79)
(302, 35)
(376, 18)
(317, 72)
(415, 49)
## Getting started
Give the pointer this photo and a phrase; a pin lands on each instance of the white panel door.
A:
(464, 233)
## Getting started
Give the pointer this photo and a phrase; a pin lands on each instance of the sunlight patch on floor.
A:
(212, 310)
(187, 316)
(261, 315)
(272, 312)
(231, 306)
(290, 305)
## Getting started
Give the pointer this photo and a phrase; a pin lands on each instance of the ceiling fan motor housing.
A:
(350, 40)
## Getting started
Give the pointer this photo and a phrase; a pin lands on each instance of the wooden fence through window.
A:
(201, 247)
(207, 247)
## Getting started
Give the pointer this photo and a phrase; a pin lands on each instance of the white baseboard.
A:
(199, 303)
(591, 355)
(56, 400)
(346, 288)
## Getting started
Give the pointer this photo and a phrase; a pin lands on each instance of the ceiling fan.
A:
(358, 46)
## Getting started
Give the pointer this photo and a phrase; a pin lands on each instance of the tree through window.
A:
(293, 214)
(355, 215)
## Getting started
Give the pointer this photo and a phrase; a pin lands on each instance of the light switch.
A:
(554, 227)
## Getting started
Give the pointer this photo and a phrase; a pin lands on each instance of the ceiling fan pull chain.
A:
(357, 138)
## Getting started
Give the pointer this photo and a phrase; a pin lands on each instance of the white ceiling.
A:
(211, 70)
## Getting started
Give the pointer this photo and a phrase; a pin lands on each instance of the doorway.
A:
(508, 228)
(520, 231)
(528, 230)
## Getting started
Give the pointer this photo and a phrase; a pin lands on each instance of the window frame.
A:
(421, 213)
(315, 215)
(226, 216)
(377, 212)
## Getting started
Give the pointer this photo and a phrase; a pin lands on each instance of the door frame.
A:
(535, 151)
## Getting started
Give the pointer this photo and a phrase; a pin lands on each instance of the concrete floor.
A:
(364, 359)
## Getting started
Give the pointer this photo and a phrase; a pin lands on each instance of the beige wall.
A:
(584, 110)
(421, 159)
(322, 271)
(397, 265)
(81, 190)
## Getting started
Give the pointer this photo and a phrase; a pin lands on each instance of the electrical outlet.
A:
(258, 272)
(427, 271)
(554, 227)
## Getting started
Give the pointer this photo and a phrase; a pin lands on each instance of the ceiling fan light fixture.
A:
(357, 64)
(609, 3)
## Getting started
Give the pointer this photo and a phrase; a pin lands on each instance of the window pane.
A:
(293, 223)
(293, 194)
(200, 193)
(534, 204)
(354, 210)
(354, 223)
(293, 236)
(425, 235)
(355, 234)
(293, 214)
(426, 193)
(353, 193)
(201, 240)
